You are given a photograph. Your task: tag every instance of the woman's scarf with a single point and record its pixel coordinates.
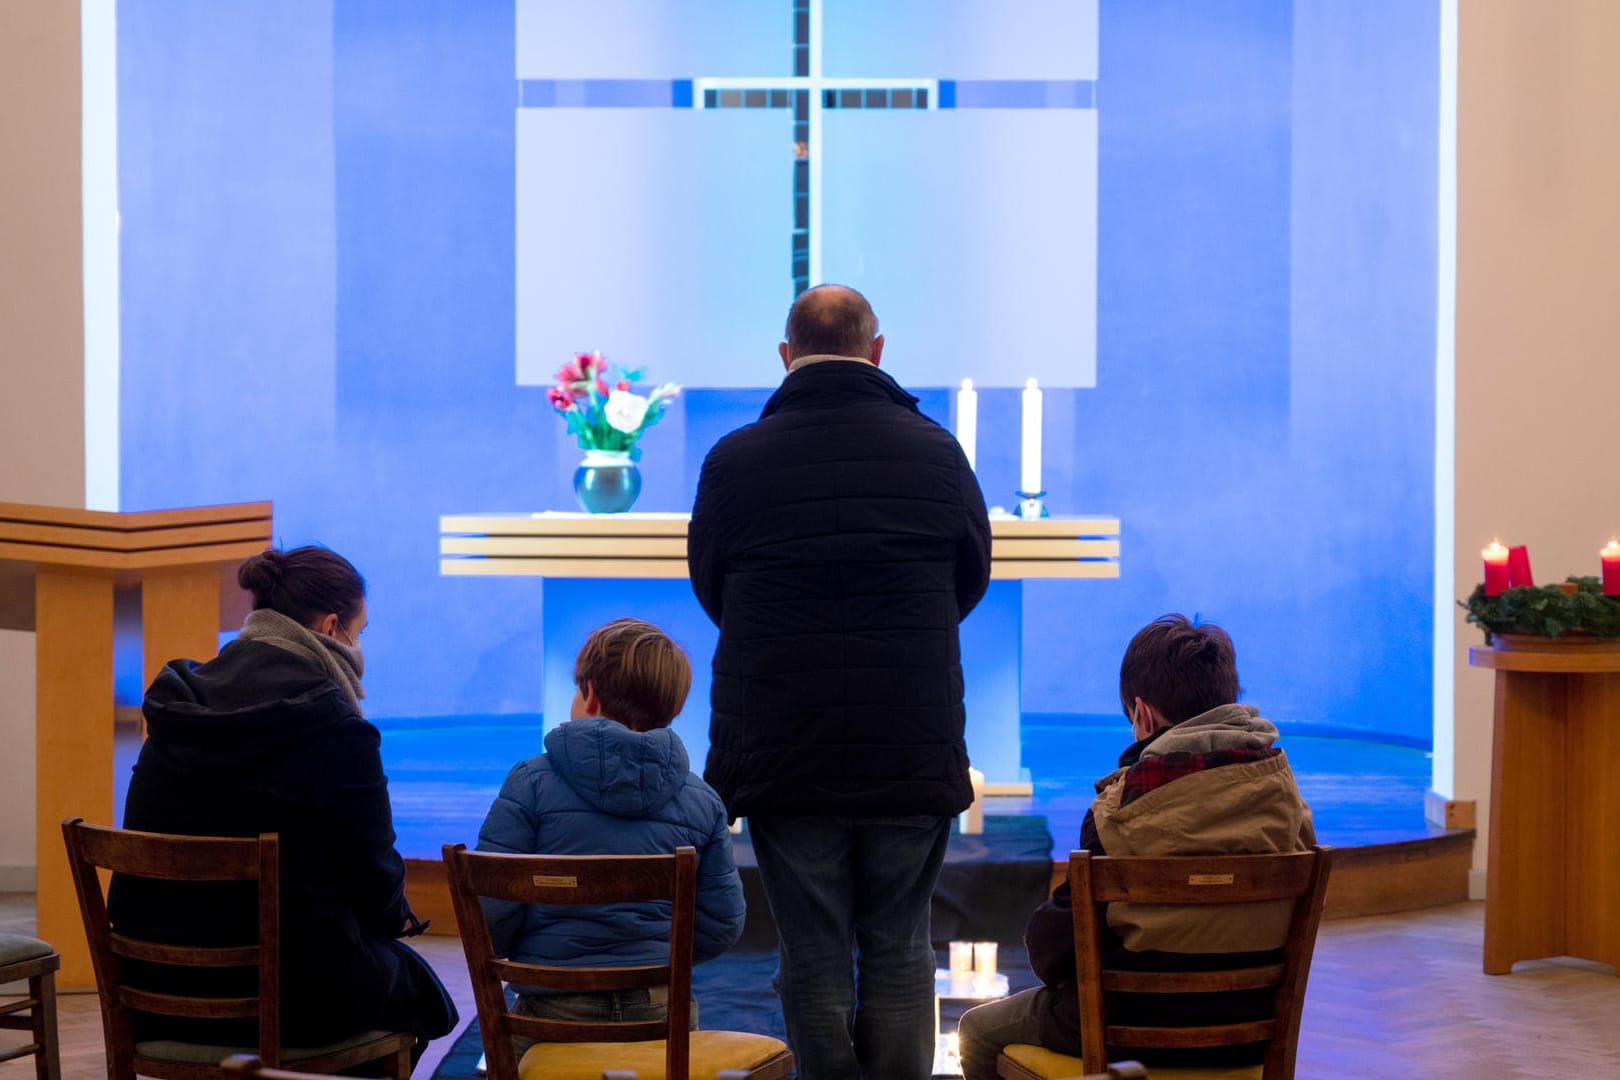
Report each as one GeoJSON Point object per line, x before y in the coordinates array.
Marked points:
{"type": "Point", "coordinates": [342, 663]}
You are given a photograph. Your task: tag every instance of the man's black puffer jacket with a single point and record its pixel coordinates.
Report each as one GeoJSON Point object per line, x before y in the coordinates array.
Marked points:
{"type": "Point", "coordinates": [837, 542]}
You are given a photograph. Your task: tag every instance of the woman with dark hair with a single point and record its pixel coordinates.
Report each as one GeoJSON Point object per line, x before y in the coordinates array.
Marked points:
{"type": "Point", "coordinates": [268, 737]}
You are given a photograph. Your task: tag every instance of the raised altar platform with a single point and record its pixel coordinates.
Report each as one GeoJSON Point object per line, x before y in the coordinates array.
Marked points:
{"type": "Point", "coordinates": [1366, 797]}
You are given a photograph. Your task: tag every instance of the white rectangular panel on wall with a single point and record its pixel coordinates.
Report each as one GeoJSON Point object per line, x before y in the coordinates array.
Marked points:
{"type": "Point", "coordinates": [974, 231]}
{"type": "Point", "coordinates": [653, 234]}
{"type": "Point", "coordinates": [653, 39]}
{"type": "Point", "coordinates": [961, 39]}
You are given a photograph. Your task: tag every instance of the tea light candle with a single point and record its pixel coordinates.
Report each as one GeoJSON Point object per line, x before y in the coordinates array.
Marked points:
{"type": "Point", "coordinates": [1029, 477]}
{"type": "Point", "coordinates": [1610, 554]}
{"type": "Point", "coordinates": [967, 421]}
{"type": "Point", "coordinates": [984, 959]}
{"type": "Point", "coordinates": [1496, 568]}
{"type": "Point", "coordinates": [961, 959]}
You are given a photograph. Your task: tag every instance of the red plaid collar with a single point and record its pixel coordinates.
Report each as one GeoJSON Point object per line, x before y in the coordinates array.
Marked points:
{"type": "Point", "coordinates": [1158, 770]}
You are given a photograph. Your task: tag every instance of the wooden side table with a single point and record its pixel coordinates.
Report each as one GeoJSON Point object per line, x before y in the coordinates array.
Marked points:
{"type": "Point", "coordinates": [1553, 880]}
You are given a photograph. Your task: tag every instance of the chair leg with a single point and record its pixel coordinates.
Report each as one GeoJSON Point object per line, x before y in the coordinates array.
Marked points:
{"type": "Point", "coordinates": [48, 1061]}
{"type": "Point", "coordinates": [400, 1066]}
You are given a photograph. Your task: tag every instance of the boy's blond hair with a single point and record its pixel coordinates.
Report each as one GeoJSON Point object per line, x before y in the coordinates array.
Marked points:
{"type": "Point", "coordinates": [640, 675]}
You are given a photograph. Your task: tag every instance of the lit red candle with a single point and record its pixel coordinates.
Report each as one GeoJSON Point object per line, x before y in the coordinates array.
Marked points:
{"type": "Point", "coordinates": [1610, 554]}
{"type": "Point", "coordinates": [1496, 568]}
{"type": "Point", "coordinates": [1519, 566]}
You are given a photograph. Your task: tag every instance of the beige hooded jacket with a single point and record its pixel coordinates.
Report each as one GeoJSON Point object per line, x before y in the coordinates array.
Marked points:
{"type": "Point", "coordinates": [1251, 808]}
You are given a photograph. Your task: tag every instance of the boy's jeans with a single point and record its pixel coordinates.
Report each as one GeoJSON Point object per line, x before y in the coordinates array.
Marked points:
{"type": "Point", "coordinates": [842, 885]}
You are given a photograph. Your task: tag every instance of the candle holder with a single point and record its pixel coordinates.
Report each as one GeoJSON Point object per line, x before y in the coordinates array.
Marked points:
{"type": "Point", "coordinates": [1030, 505]}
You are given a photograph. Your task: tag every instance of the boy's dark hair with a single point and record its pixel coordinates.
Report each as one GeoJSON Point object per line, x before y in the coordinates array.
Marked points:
{"type": "Point", "coordinates": [638, 672]}
{"type": "Point", "coordinates": [1179, 668]}
{"type": "Point", "coordinates": [304, 584]}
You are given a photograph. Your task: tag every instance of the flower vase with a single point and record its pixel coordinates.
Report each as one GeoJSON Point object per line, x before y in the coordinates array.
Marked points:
{"type": "Point", "coordinates": [607, 482]}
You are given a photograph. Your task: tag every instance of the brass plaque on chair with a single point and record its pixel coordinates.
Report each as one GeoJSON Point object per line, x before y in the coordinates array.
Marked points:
{"type": "Point", "coordinates": [1209, 879]}
{"type": "Point", "coordinates": [556, 881]}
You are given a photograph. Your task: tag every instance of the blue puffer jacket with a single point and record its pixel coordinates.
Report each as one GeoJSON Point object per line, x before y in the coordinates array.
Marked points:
{"type": "Point", "coordinates": [602, 789]}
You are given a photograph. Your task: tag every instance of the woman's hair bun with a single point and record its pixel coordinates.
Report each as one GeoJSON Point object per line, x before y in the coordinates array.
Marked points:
{"type": "Point", "coordinates": [262, 572]}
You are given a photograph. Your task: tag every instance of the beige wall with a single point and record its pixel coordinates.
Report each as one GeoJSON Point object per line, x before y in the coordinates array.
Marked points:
{"type": "Point", "coordinates": [1538, 308]}
{"type": "Point", "coordinates": [41, 343]}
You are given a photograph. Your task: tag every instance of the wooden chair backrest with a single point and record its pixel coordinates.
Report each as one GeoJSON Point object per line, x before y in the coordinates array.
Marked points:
{"type": "Point", "coordinates": [1216, 879]}
{"type": "Point", "coordinates": [575, 879]}
{"type": "Point", "coordinates": [177, 858]}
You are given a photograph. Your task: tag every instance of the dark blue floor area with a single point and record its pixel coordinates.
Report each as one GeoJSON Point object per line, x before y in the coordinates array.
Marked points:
{"type": "Point", "coordinates": [444, 772]}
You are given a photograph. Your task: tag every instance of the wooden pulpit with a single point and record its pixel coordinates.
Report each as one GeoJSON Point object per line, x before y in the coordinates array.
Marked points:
{"type": "Point", "coordinates": [1552, 886]}
{"type": "Point", "coordinates": [59, 571]}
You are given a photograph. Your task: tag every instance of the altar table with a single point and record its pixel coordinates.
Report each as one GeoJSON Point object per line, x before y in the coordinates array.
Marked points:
{"type": "Point", "coordinates": [579, 554]}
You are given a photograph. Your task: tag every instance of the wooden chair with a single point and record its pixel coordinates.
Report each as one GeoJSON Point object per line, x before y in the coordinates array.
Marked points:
{"type": "Point", "coordinates": [1225, 879]}
{"type": "Point", "coordinates": [25, 958]}
{"type": "Point", "coordinates": [569, 1050]}
{"type": "Point", "coordinates": [196, 858]}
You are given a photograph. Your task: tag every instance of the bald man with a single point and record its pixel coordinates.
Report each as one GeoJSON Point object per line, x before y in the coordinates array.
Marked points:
{"type": "Point", "coordinates": [837, 542]}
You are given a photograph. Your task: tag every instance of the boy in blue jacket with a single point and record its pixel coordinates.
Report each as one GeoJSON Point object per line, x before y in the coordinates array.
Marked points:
{"type": "Point", "coordinates": [614, 780]}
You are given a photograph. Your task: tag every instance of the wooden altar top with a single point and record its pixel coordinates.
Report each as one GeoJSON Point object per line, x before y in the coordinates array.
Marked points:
{"type": "Point", "coordinates": [561, 544]}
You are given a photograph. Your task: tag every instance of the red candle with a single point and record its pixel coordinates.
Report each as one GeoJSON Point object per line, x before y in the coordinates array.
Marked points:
{"type": "Point", "coordinates": [1610, 554]}
{"type": "Point", "coordinates": [1496, 568]}
{"type": "Point", "coordinates": [1519, 566]}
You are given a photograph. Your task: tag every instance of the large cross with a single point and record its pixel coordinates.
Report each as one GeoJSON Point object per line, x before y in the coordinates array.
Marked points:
{"type": "Point", "coordinates": [809, 94]}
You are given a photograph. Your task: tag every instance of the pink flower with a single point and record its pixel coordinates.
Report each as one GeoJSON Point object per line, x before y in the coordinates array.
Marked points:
{"type": "Point", "coordinates": [601, 388]}
{"type": "Point", "coordinates": [622, 384]}
{"type": "Point", "coordinates": [583, 367]}
{"type": "Point", "coordinates": [559, 398]}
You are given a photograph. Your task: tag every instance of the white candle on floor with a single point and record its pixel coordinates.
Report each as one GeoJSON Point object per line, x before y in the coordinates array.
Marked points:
{"type": "Point", "coordinates": [967, 421]}
{"type": "Point", "coordinates": [1030, 475]}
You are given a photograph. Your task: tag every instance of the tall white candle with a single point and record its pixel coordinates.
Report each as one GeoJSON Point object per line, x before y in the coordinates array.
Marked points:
{"type": "Point", "coordinates": [967, 421]}
{"type": "Point", "coordinates": [1030, 475]}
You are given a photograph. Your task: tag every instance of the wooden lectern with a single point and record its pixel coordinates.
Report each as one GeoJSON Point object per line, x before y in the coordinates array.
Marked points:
{"type": "Point", "coordinates": [59, 570]}
{"type": "Point", "coordinates": [1552, 886]}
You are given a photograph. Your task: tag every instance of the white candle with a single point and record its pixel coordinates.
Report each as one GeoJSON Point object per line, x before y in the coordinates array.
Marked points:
{"type": "Point", "coordinates": [1030, 476]}
{"type": "Point", "coordinates": [984, 960]}
{"type": "Point", "coordinates": [967, 421]}
{"type": "Point", "coordinates": [972, 820]}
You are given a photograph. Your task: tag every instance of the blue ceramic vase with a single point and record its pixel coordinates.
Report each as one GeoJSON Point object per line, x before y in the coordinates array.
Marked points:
{"type": "Point", "coordinates": [607, 482]}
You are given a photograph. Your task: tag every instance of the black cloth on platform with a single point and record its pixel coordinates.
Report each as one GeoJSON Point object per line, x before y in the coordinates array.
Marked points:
{"type": "Point", "coordinates": [837, 542]}
{"type": "Point", "coordinates": [260, 740]}
{"type": "Point", "coordinates": [988, 882]}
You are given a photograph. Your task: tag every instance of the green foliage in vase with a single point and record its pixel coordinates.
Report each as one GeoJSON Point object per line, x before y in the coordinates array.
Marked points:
{"type": "Point", "coordinates": [1545, 610]}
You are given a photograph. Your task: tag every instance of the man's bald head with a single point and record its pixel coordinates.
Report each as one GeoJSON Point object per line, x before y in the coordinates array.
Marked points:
{"type": "Point", "coordinates": [832, 320]}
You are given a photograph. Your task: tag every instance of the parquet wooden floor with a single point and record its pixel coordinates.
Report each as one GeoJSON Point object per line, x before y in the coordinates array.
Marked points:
{"type": "Point", "coordinates": [1394, 996]}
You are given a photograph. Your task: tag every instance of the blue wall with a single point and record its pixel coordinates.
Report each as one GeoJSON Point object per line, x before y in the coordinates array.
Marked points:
{"type": "Point", "coordinates": [318, 251]}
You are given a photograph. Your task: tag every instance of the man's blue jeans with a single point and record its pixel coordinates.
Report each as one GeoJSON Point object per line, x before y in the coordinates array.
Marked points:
{"type": "Point", "coordinates": [854, 886]}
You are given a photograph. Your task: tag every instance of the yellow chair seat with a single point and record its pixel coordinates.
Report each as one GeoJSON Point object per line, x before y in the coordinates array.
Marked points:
{"type": "Point", "coordinates": [1049, 1063]}
{"type": "Point", "coordinates": [712, 1052]}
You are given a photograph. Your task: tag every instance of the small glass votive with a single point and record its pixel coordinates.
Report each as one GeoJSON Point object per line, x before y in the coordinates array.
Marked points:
{"type": "Point", "coordinates": [961, 959]}
{"type": "Point", "coordinates": [984, 959]}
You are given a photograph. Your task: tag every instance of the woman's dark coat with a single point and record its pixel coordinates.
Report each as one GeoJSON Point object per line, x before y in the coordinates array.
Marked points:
{"type": "Point", "coordinates": [260, 740]}
{"type": "Point", "coordinates": [837, 542]}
